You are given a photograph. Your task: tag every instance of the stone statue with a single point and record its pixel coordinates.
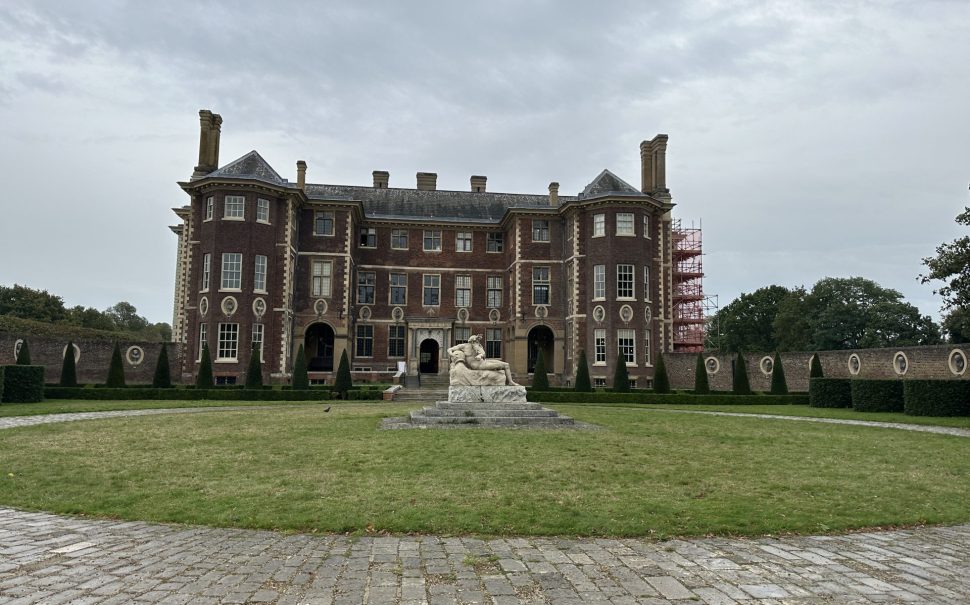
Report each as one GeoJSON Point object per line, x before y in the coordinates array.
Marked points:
{"type": "Point", "coordinates": [470, 368]}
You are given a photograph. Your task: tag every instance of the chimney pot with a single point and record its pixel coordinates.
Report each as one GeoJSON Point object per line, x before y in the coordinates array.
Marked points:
{"type": "Point", "coordinates": [381, 179]}
{"type": "Point", "coordinates": [301, 174]}
{"type": "Point", "coordinates": [554, 193]}
{"type": "Point", "coordinates": [427, 181]}
{"type": "Point", "coordinates": [478, 183]}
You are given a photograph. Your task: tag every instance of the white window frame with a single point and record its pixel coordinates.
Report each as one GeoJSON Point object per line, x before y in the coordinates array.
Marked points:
{"type": "Point", "coordinates": [259, 331]}
{"type": "Point", "coordinates": [365, 235]}
{"type": "Point", "coordinates": [646, 283]}
{"type": "Point", "coordinates": [370, 288]}
{"type": "Point", "coordinates": [433, 285]}
{"type": "Point", "coordinates": [231, 266]}
{"type": "Point", "coordinates": [363, 335]}
{"type": "Point", "coordinates": [628, 220]}
{"type": "Point", "coordinates": [463, 241]}
{"type": "Point", "coordinates": [493, 291]}
{"type": "Point", "coordinates": [462, 334]}
{"type": "Point", "coordinates": [262, 210]}
{"type": "Point", "coordinates": [321, 278]}
{"type": "Point", "coordinates": [322, 216]}
{"type": "Point", "coordinates": [497, 240]}
{"type": "Point", "coordinates": [599, 225]}
{"type": "Point", "coordinates": [537, 283]}
{"type": "Point", "coordinates": [626, 342]}
{"type": "Point", "coordinates": [646, 226]}
{"type": "Point", "coordinates": [599, 282]}
{"type": "Point", "coordinates": [599, 382]}
{"type": "Point", "coordinates": [234, 208]}
{"type": "Point", "coordinates": [397, 233]}
{"type": "Point", "coordinates": [401, 339]}
{"type": "Point", "coordinates": [463, 290]}
{"type": "Point", "coordinates": [228, 343]}
{"type": "Point", "coordinates": [206, 271]}
{"type": "Point", "coordinates": [599, 347]}
{"type": "Point", "coordinates": [260, 275]}
{"type": "Point", "coordinates": [203, 339]}
{"type": "Point", "coordinates": [434, 236]}
{"type": "Point", "coordinates": [493, 345]}
{"type": "Point", "coordinates": [210, 204]}
{"type": "Point", "coordinates": [540, 226]}
{"type": "Point", "coordinates": [647, 357]}
{"type": "Point", "coordinates": [626, 286]}
{"type": "Point", "coordinates": [392, 286]}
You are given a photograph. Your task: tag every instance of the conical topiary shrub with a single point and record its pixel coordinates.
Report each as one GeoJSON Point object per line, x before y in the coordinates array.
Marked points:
{"type": "Point", "coordinates": [116, 371]}
{"type": "Point", "coordinates": [582, 374]}
{"type": "Point", "coordinates": [661, 382]}
{"type": "Point", "coordinates": [815, 370]}
{"type": "Point", "coordinates": [301, 380]}
{"type": "Point", "coordinates": [69, 367]}
{"type": "Point", "coordinates": [702, 385]}
{"type": "Point", "coordinates": [540, 379]}
{"type": "Point", "coordinates": [163, 373]}
{"type": "Point", "coordinates": [344, 380]}
{"type": "Point", "coordinates": [741, 384]}
{"type": "Point", "coordinates": [203, 379]}
{"type": "Point", "coordinates": [778, 384]}
{"type": "Point", "coordinates": [23, 355]}
{"type": "Point", "coordinates": [254, 375]}
{"type": "Point", "coordinates": [621, 378]}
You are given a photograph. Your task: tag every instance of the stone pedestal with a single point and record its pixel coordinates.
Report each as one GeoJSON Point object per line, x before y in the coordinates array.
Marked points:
{"type": "Point", "coordinates": [500, 394]}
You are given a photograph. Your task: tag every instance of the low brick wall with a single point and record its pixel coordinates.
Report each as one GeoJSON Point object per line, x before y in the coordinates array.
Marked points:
{"type": "Point", "coordinates": [927, 362]}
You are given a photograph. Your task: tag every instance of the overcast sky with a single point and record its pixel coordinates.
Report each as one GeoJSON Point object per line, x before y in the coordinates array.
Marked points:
{"type": "Point", "coordinates": [812, 139]}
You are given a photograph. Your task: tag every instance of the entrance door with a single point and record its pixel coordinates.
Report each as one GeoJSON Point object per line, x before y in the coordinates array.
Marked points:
{"type": "Point", "coordinates": [541, 339]}
{"type": "Point", "coordinates": [429, 350]}
{"type": "Point", "coordinates": [318, 347]}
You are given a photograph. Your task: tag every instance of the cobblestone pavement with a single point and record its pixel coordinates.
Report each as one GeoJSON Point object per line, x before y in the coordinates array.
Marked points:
{"type": "Point", "coordinates": [48, 559]}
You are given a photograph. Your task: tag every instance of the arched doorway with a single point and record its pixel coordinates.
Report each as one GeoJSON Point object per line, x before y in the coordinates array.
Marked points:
{"type": "Point", "coordinates": [318, 347]}
{"type": "Point", "coordinates": [541, 339]}
{"type": "Point", "coordinates": [428, 356]}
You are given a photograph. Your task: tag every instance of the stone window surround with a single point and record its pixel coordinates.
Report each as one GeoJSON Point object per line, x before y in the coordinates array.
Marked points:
{"type": "Point", "coordinates": [226, 345]}
{"type": "Point", "coordinates": [367, 286]}
{"type": "Point", "coordinates": [259, 332]}
{"type": "Point", "coordinates": [599, 341]}
{"type": "Point", "coordinates": [599, 225]}
{"type": "Point", "coordinates": [325, 277]}
{"type": "Point", "coordinates": [367, 237]}
{"type": "Point", "coordinates": [223, 272]}
{"type": "Point", "coordinates": [495, 240]}
{"type": "Point", "coordinates": [540, 228]}
{"type": "Point", "coordinates": [461, 238]}
{"type": "Point", "coordinates": [426, 288]}
{"type": "Point", "coordinates": [399, 233]}
{"type": "Point", "coordinates": [259, 207]}
{"type": "Point", "coordinates": [361, 337]}
{"type": "Point", "coordinates": [633, 224]}
{"type": "Point", "coordinates": [459, 288]}
{"type": "Point", "coordinates": [237, 201]}
{"type": "Point", "coordinates": [396, 335]}
{"type": "Point", "coordinates": [632, 281]}
{"type": "Point", "coordinates": [631, 335]}
{"type": "Point", "coordinates": [210, 205]}
{"type": "Point", "coordinates": [951, 364]}
{"type": "Point", "coordinates": [257, 273]}
{"type": "Point", "coordinates": [599, 286]}
{"type": "Point", "coordinates": [434, 237]}
{"type": "Point", "coordinates": [392, 287]}
{"type": "Point", "coordinates": [322, 215]}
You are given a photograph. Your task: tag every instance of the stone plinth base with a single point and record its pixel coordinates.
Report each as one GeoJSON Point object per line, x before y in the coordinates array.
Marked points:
{"type": "Point", "coordinates": [500, 394]}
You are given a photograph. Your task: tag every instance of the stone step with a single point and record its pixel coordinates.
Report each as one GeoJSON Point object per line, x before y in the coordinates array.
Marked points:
{"type": "Point", "coordinates": [455, 405]}
{"type": "Point", "coordinates": [490, 413]}
{"type": "Point", "coordinates": [545, 421]}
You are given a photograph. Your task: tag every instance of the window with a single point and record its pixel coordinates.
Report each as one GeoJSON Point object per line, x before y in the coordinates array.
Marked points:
{"type": "Point", "coordinates": [599, 383]}
{"type": "Point", "coordinates": [626, 344]}
{"type": "Point", "coordinates": [259, 278]}
{"type": "Point", "coordinates": [323, 223]}
{"type": "Point", "coordinates": [368, 237]}
{"type": "Point", "coordinates": [206, 268]}
{"type": "Point", "coordinates": [624, 223]}
{"type": "Point", "coordinates": [432, 290]}
{"type": "Point", "coordinates": [463, 241]}
{"type": "Point", "coordinates": [646, 225]}
{"type": "Point", "coordinates": [395, 341]}
{"type": "Point", "coordinates": [258, 339]}
{"type": "Point", "coordinates": [540, 285]}
{"type": "Point", "coordinates": [495, 242]}
{"type": "Point", "coordinates": [365, 287]}
{"type": "Point", "coordinates": [235, 207]}
{"type": "Point", "coordinates": [493, 343]}
{"type": "Point", "coordinates": [633, 383]}
{"type": "Point", "coordinates": [646, 348]}
{"type": "Point", "coordinates": [493, 292]}
{"type": "Point", "coordinates": [599, 346]}
{"type": "Point", "coordinates": [210, 203]}
{"type": "Point", "coordinates": [320, 278]}
{"type": "Point", "coordinates": [231, 270]}
{"type": "Point", "coordinates": [540, 230]}
{"type": "Point", "coordinates": [262, 211]}
{"type": "Point", "coordinates": [365, 341]}
{"type": "Point", "coordinates": [228, 341]}
{"type": "Point", "coordinates": [599, 281]}
{"type": "Point", "coordinates": [399, 288]}
{"type": "Point", "coordinates": [599, 225]}
{"type": "Point", "coordinates": [463, 290]}
{"type": "Point", "coordinates": [432, 241]}
{"type": "Point", "coordinates": [624, 281]}
{"type": "Point", "coordinates": [399, 239]}
{"type": "Point", "coordinates": [646, 282]}
{"type": "Point", "coordinates": [462, 334]}
{"type": "Point", "coordinates": [203, 339]}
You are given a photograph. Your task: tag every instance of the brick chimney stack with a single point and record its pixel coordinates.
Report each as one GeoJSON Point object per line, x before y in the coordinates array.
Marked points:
{"type": "Point", "coordinates": [554, 193]}
{"type": "Point", "coordinates": [653, 165]}
{"type": "Point", "coordinates": [210, 127]}
{"type": "Point", "coordinates": [301, 175]}
{"type": "Point", "coordinates": [478, 183]}
{"type": "Point", "coordinates": [427, 181]}
{"type": "Point", "coordinates": [381, 178]}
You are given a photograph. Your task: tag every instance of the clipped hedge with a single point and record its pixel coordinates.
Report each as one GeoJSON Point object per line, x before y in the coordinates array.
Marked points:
{"type": "Point", "coordinates": [23, 384]}
{"type": "Point", "coordinates": [830, 393]}
{"type": "Point", "coordinates": [936, 397]}
{"type": "Point", "coordinates": [1, 383]}
{"type": "Point", "coordinates": [648, 397]}
{"type": "Point", "coordinates": [877, 395]}
{"type": "Point", "coordinates": [214, 394]}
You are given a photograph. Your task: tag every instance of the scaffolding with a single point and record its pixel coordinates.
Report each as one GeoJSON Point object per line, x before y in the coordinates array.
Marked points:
{"type": "Point", "coordinates": [690, 306]}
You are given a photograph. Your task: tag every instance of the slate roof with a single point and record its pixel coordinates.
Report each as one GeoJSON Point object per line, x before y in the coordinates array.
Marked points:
{"type": "Point", "coordinates": [250, 166]}
{"type": "Point", "coordinates": [607, 183]}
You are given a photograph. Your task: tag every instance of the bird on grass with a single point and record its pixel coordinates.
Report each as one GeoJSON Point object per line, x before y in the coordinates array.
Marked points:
{"type": "Point", "coordinates": [327, 409]}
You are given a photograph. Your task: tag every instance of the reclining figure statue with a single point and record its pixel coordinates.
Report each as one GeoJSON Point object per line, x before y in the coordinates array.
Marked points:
{"type": "Point", "coordinates": [470, 368]}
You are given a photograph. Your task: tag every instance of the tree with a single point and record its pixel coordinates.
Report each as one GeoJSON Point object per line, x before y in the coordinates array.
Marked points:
{"type": "Point", "coordinates": [23, 355]}
{"type": "Point", "coordinates": [956, 325]}
{"type": "Point", "coordinates": [582, 374]}
{"type": "Point", "coordinates": [26, 303]}
{"type": "Point", "coordinates": [254, 375]}
{"type": "Point", "coordinates": [792, 329]}
{"type": "Point", "coordinates": [301, 380]}
{"type": "Point", "coordinates": [203, 379]}
{"type": "Point", "coordinates": [778, 384]}
{"type": "Point", "coordinates": [740, 383]}
{"type": "Point", "coordinates": [815, 367]}
{"type": "Point", "coordinates": [702, 384]}
{"type": "Point", "coordinates": [163, 373]}
{"type": "Point", "coordinates": [540, 379]}
{"type": "Point", "coordinates": [126, 317]}
{"type": "Point", "coordinates": [69, 367]}
{"type": "Point", "coordinates": [661, 383]}
{"type": "Point", "coordinates": [344, 380]}
{"type": "Point", "coordinates": [89, 318]}
{"type": "Point", "coordinates": [621, 378]}
{"type": "Point", "coordinates": [952, 266]}
{"type": "Point", "coordinates": [116, 371]}
{"type": "Point", "coordinates": [747, 322]}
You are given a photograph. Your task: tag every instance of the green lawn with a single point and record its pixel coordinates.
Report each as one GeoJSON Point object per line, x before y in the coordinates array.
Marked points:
{"type": "Point", "coordinates": [844, 413]}
{"type": "Point", "coordinates": [644, 474]}
{"type": "Point", "coordinates": [59, 406]}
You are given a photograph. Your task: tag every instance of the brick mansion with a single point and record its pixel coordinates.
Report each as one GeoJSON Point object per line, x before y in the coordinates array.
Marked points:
{"type": "Point", "coordinates": [394, 276]}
